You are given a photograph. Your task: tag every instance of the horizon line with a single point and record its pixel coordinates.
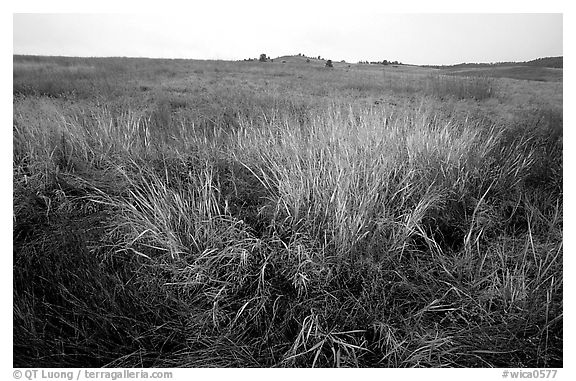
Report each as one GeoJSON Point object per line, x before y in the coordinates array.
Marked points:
{"type": "Point", "coordinates": [289, 55]}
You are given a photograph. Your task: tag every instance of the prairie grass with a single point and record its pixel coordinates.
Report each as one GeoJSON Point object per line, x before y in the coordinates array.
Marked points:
{"type": "Point", "coordinates": [428, 84]}
{"type": "Point", "coordinates": [235, 216]}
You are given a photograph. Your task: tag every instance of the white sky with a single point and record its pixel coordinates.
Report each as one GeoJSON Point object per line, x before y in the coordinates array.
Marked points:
{"type": "Point", "coordinates": [236, 31]}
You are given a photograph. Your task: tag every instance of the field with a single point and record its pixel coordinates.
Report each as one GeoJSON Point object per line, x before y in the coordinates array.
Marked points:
{"type": "Point", "coordinates": [180, 213]}
{"type": "Point", "coordinates": [531, 73]}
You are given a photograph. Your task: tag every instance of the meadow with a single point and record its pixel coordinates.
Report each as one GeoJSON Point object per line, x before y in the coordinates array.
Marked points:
{"type": "Point", "coordinates": [183, 213]}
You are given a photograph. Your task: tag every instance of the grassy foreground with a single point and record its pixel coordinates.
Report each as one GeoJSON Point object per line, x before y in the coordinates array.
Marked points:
{"type": "Point", "coordinates": [244, 214]}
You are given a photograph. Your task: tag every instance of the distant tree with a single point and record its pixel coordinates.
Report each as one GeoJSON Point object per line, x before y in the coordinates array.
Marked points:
{"type": "Point", "coordinates": [329, 63]}
{"type": "Point", "coordinates": [319, 57]}
{"type": "Point", "coordinates": [263, 57]}
{"type": "Point", "coordinates": [307, 60]}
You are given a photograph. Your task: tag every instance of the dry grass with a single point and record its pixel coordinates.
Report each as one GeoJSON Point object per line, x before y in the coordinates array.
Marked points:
{"type": "Point", "coordinates": [247, 214]}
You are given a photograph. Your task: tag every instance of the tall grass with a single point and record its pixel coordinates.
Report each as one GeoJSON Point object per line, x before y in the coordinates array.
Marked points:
{"type": "Point", "coordinates": [352, 177]}
{"type": "Point", "coordinates": [285, 234]}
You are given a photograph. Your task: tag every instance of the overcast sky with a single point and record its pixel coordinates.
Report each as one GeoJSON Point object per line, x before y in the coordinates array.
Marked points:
{"type": "Point", "coordinates": [350, 34]}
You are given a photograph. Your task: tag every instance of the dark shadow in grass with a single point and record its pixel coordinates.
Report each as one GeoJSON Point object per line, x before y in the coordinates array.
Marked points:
{"type": "Point", "coordinates": [248, 200]}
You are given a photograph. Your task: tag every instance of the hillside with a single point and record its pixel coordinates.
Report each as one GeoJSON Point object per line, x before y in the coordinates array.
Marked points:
{"type": "Point", "coordinates": [297, 59]}
{"type": "Point", "coordinates": [552, 62]}
{"type": "Point", "coordinates": [524, 72]}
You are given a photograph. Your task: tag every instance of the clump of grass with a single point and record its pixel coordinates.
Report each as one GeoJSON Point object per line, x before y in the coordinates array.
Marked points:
{"type": "Point", "coordinates": [351, 178]}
